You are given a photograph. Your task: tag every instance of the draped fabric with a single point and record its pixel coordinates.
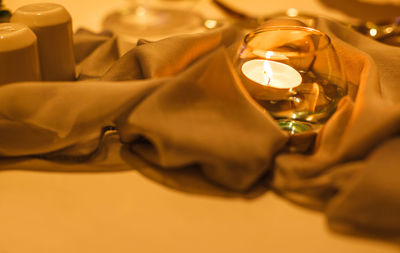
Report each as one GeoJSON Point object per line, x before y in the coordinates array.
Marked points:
{"type": "Point", "coordinates": [178, 102]}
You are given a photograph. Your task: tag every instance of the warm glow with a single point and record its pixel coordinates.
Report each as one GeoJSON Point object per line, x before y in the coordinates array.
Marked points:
{"type": "Point", "coordinates": [141, 11]}
{"type": "Point", "coordinates": [210, 23]}
{"type": "Point", "coordinates": [373, 32]}
{"type": "Point", "coordinates": [272, 74]}
{"type": "Point", "coordinates": [292, 12]}
{"type": "Point", "coordinates": [389, 29]}
{"type": "Point", "coordinates": [268, 73]}
{"type": "Point", "coordinates": [270, 55]}
{"type": "Point", "coordinates": [315, 91]}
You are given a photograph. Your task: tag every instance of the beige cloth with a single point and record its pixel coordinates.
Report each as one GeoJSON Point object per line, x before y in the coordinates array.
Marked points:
{"type": "Point", "coordinates": [358, 189]}
{"type": "Point", "coordinates": [200, 116]}
{"type": "Point", "coordinates": [189, 108]}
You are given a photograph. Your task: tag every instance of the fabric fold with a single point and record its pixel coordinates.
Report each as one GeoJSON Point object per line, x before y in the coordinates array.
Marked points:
{"type": "Point", "coordinates": [193, 109]}
{"type": "Point", "coordinates": [370, 201]}
{"type": "Point", "coordinates": [170, 56]}
{"type": "Point", "coordinates": [178, 102]}
{"type": "Point", "coordinates": [206, 117]}
{"type": "Point", "coordinates": [45, 117]}
{"type": "Point", "coordinates": [329, 175]}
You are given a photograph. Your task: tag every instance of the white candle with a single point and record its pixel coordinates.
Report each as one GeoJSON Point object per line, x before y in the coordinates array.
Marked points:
{"type": "Point", "coordinates": [272, 74]}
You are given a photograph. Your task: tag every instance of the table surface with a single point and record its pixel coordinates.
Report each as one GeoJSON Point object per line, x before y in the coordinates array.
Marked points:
{"type": "Point", "coordinates": [43, 209]}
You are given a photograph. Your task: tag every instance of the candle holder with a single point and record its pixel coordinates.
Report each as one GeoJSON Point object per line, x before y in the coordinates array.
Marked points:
{"type": "Point", "coordinates": [294, 73]}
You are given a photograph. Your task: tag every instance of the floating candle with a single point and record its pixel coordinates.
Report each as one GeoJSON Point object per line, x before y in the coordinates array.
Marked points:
{"type": "Point", "coordinates": [272, 74]}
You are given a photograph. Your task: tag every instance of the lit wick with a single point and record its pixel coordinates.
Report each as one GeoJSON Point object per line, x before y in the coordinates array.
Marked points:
{"type": "Point", "coordinates": [267, 77]}
{"type": "Point", "coordinates": [272, 74]}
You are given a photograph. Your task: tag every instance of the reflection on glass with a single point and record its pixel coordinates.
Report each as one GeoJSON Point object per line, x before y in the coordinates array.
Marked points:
{"type": "Point", "coordinates": [309, 81]}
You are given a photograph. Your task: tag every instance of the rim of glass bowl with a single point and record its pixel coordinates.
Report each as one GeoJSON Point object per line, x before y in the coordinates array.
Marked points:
{"type": "Point", "coordinates": [326, 44]}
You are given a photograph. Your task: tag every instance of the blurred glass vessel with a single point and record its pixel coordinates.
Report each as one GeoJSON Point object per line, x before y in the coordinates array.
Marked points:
{"type": "Point", "coordinates": [294, 73]}
{"type": "Point", "coordinates": [152, 19]}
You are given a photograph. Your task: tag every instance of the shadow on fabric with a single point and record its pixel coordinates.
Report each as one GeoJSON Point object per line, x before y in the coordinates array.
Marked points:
{"type": "Point", "coordinates": [189, 179]}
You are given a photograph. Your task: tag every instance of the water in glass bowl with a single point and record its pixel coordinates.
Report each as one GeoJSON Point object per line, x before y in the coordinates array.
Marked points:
{"type": "Point", "coordinates": [307, 106]}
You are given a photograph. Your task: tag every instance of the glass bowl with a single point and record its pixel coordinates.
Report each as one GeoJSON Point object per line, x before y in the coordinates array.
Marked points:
{"type": "Point", "coordinates": [294, 73]}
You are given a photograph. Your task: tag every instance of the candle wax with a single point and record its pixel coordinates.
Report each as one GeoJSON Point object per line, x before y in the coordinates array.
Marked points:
{"type": "Point", "coordinates": [272, 74]}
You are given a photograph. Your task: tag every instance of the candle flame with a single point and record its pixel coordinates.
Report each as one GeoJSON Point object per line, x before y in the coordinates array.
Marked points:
{"type": "Point", "coordinates": [268, 73]}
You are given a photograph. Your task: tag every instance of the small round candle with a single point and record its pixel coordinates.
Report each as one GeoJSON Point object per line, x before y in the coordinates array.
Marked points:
{"type": "Point", "coordinates": [272, 74]}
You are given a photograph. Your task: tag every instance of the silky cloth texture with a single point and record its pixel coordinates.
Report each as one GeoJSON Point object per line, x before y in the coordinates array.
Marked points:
{"type": "Point", "coordinates": [188, 104]}
{"type": "Point", "coordinates": [354, 173]}
{"type": "Point", "coordinates": [179, 102]}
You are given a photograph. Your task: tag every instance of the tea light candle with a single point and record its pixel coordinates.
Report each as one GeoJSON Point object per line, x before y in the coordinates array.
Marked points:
{"type": "Point", "coordinates": [272, 74]}
{"type": "Point", "coordinates": [270, 80]}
